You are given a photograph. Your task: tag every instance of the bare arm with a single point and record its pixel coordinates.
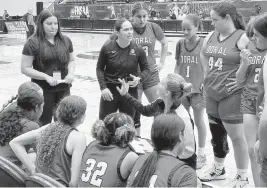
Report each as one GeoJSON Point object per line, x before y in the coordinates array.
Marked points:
{"type": "Point", "coordinates": [78, 144]}
{"type": "Point", "coordinates": [127, 164]}
{"type": "Point", "coordinates": [177, 67]}
{"type": "Point", "coordinates": [164, 50]}
{"type": "Point", "coordinates": [18, 146]}
{"type": "Point", "coordinates": [241, 73]}
{"type": "Point", "coordinates": [203, 58]}
{"type": "Point", "coordinates": [27, 69]}
{"type": "Point", "coordinates": [71, 66]}
{"type": "Point", "coordinates": [263, 119]}
{"type": "Point", "coordinates": [177, 55]}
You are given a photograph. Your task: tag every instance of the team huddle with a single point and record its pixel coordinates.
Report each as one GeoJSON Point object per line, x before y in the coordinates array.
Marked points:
{"type": "Point", "coordinates": [220, 76]}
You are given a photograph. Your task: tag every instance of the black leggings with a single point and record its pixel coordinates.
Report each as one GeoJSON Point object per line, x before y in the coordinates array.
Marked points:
{"type": "Point", "coordinates": [118, 103]}
{"type": "Point", "coordinates": [219, 138]}
{"type": "Point", "coordinates": [51, 100]}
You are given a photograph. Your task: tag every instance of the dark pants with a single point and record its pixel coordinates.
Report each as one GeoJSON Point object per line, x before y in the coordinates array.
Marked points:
{"type": "Point", "coordinates": [51, 100]}
{"type": "Point", "coordinates": [118, 103]}
{"type": "Point", "coordinates": [219, 138]}
{"type": "Point", "coordinates": [31, 31]}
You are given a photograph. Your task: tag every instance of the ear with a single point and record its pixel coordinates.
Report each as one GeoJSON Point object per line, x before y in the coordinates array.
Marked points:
{"type": "Point", "coordinates": [167, 93]}
{"type": "Point", "coordinates": [228, 17]}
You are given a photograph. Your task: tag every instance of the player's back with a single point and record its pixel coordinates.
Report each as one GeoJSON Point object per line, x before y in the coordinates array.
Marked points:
{"type": "Point", "coordinates": [170, 172]}
{"type": "Point", "coordinates": [101, 166]}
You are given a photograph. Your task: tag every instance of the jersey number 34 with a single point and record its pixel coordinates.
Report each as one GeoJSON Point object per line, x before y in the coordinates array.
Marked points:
{"type": "Point", "coordinates": [95, 177]}
{"type": "Point", "coordinates": [218, 64]}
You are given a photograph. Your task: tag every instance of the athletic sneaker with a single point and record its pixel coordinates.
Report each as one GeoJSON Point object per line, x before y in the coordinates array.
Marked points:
{"type": "Point", "coordinates": [237, 182]}
{"type": "Point", "coordinates": [201, 161]}
{"type": "Point", "coordinates": [214, 174]}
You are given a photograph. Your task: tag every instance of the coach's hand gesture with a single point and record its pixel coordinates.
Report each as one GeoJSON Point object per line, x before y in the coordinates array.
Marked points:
{"type": "Point", "coordinates": [106, 95]}
{"type": "Point", "coordinates": [135, 82]}
{"type": "Point", "coordinates": [124, 87]}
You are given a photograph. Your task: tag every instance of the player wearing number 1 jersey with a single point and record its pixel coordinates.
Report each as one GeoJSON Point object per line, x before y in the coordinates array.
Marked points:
{"type": "Point", "coordinates": [108, 161]}
{"type": "Point", "coordinates": [252, 59]}
{"type": "Point", "coordinates": [221, 52]}
{"type": "Point", "coordinates": [188, 65]}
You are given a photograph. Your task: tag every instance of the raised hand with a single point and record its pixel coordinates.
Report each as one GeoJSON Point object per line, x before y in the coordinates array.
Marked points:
{"type": "Point", "coordinates": [124, 87]}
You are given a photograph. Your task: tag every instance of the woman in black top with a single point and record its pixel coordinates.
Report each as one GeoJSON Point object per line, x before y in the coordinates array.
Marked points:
{"type": "Point", "coordinates": [171, 90]}
{"type": "Point", "coordinates": [119, 59]}
{"type": "Point", "coordinates": [47, 58]}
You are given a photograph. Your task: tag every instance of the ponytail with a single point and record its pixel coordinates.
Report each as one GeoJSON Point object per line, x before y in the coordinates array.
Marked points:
{"type": "Point", "coordinates": [101, 133]}
{"type": "Point", "coordinates": [147, 170]}
{"type": "Point", "coordinates": [10, 101]}
{"type": "Point", "coordinates": [239, 22]}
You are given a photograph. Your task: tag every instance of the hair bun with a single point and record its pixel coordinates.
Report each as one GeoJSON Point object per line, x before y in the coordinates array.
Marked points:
{"type": "Point", "coordinates": [187, 87]}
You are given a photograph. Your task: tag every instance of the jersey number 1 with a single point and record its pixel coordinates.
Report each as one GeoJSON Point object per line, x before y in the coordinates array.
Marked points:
{"type": "Point", "coordinates": [95, 180]}
{"type": "Point", "coordinates": [187, 71]}
{"type": "Point", "coordinates": [146, 49]}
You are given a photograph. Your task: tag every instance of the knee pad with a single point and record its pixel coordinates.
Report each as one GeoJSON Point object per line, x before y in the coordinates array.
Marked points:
{"type": "Point", "coordinates": [219, 138]}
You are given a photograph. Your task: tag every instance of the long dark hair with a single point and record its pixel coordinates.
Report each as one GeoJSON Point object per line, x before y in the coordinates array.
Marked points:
{"type": "Point", "coordinates": [61, 44]}
{"type": "Point", "coordinates": [165, 132]}
{"type": "Point", "coordinates": [28, 98]}
{"type": "Point", "coordinates": [224, 8]}
{"type": "Point", "coordinates": [69, 111]}
{"type": "Point", "coordinates": [260, 24]}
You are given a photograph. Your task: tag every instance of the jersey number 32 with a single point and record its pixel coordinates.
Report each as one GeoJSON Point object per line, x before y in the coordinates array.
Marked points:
{"type": "Point", "coordinates": [95, 177]}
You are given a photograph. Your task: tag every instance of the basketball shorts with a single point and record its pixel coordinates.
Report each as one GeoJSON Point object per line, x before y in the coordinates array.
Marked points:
{"type": "Point", "coordinates": [248, 105]}
{"type": "Point", "coordinates": [226, 109]}
{"type": "Point", "coordinates": [152, 81]}
{"type": "Point", "coordinates": [196, 100]}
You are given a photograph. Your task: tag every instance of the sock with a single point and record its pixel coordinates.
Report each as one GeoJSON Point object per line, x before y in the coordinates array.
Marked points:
{"type": "Point", "coordinates": [201, 151]}
{"type": "Point", "coordinates": [242, 173]}
{"type": "Point", "coordinates": [218, 165]}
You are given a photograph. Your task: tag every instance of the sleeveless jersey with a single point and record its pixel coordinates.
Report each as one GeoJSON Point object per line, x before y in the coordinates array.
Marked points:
{"type": "Point", "coordinates": [256, 60]}
{"type": "Point", "coordinates": [189, 63]}
{"type": "Point", "coordinates": [223, 60]}
{"type": "Point", "coordinates": [165, 168]}
{"type": "Point", "coordinates": [147, 40]}
{"type": "Point", "coordinates": [60, 166]}
{"type": "Point", "coordinates": [101, 166]}
{"type": "Point", "coordinates": [260, 97]}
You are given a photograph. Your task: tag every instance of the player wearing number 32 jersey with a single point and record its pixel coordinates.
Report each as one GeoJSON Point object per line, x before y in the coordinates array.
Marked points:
{"type": "Point", "coordinates": [108, 161]}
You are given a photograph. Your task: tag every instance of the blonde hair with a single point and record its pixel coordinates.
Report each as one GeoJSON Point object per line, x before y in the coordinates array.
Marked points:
{"type": "Point", "coordinates": [178, 87]}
